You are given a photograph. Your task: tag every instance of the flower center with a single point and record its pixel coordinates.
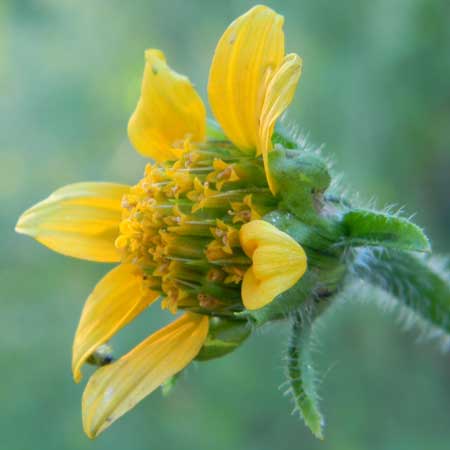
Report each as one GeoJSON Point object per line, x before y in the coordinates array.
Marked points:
{"type": "Point", "coordinates": [180, 225]}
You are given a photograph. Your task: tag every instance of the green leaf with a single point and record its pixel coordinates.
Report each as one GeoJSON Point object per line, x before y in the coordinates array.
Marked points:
{"type": "Point", "coordinates": [301, 375]}
{"type": "Point", "coordinates": [368, 228]}
{"type": "Point", "coordinates": [417, 283]}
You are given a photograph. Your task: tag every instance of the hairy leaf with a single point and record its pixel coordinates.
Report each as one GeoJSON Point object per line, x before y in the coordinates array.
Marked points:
{"type": "Point", "coordinates": [301, 375]}
{"type": "Point", "coordinates": [416, 282]}
{"type": "Point", "coordinates": [369, 228]}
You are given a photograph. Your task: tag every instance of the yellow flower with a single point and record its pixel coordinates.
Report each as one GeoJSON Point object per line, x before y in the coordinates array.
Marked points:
{"type": "Point", "coordinates": [189, 231]}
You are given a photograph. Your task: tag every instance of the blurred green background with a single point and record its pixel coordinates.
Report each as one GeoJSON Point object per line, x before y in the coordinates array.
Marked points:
{"type": "Point", "coordinates": [375, 90]}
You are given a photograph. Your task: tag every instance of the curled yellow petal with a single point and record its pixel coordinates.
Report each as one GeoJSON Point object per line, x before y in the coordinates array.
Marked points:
{"type": "Point", "coordinates": [79, 220]}
{"type": "Point", "coordinates": [247, 55]}
{"type": "Point", "coordinates": [115, 301]}
{"type": "Point", "coordinates": [115, 389]}
{"type": "Point", "coordinates": [169, 110]}
{"type": "Point", "coordinates": [278, 263]}
{"type": "Point", "coordinates": [280, 92]}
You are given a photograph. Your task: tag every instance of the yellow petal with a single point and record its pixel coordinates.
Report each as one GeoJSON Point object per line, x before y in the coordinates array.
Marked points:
{"type": "Point", "coordinates": [169, 110]}
{"type": "Point", "coordinates": [280, 92]}
{"type": "Point", "coordinates": [256, 293]}
{"type": "Point", "coordinates": [116, 300]}
{"type": "Point", "coordinates": [247, 55]}
{"type": "Point", "coordinates": [259, 232]}
{"type": "Point", "coordinates": [273, 260]}
{"type": "Point", "coordinates": [79, 220]}
{"type": "Point", "coordinates": [115, 389]}
{"type": "Point", "coordinates": [278, 263]}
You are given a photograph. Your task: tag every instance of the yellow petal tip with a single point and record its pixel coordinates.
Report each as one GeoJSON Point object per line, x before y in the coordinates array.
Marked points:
{"type": "Point", "coordinates": [21, 227]}
{"type": "Point", "coordinates": [153, 53]}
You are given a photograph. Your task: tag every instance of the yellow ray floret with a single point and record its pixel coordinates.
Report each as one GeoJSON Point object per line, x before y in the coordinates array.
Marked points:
{"type": "Point", "coordinates": [278, 263]}
{"type": "Point", "coordinates": [79, 220]}
{"type": "Point", "coordinates": [280, 92]}
{"type": "Point", "coordinates": [169, 111]}
{"type": "Point", "coordinates": [117, 299]}
{"type": "Point", "coordinates": [115, 389]}
{"type": "Point", "coordinates": [247, 54]}
{"type": "Point", "coordinates": [251, 81]}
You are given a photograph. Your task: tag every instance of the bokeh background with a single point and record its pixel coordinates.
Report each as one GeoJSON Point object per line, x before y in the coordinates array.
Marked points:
{"type": "Point", "coordinates": [375, 91]}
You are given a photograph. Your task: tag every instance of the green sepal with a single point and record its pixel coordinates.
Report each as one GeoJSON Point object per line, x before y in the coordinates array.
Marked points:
{"type": "Point", "coordinates": [415, 282]}
{"type": "Point", "coordinates": [300, 178]}
{"type": "Point", "coordinates": [301, 375]}
{"type": "Point", "coordinates": [362, 227]}
{"type": "Point", "coordinates": [224, 336]}
{"type": "Point", "coordinates": [321, 236]}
